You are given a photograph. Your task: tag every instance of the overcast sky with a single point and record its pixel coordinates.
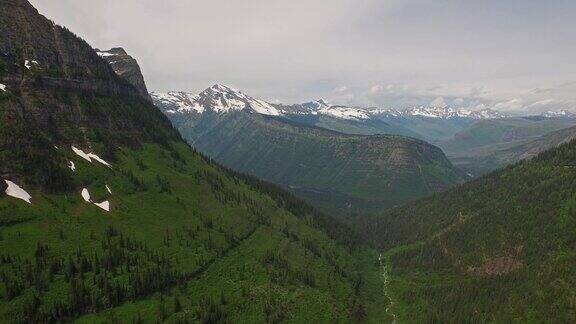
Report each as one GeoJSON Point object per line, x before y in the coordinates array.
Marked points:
{"type": "Point", "coordinates": [508, 54]}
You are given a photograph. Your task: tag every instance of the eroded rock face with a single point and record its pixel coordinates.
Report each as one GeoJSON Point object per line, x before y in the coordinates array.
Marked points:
{"type": "Point", "coordinates": [126, 67]}
{"type": "Point", "coordinates": [59, 92]}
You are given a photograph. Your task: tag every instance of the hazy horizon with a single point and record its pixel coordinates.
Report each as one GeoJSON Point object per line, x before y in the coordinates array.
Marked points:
{"type": "Point", "coordinates": [511, 56]}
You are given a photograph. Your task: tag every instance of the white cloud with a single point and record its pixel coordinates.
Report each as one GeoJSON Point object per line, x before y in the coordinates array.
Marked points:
{"type": "Point", "coordinates": [438, 102]}
{"type": "Point", "coordinates": [387, 53]}
{"type": "Point", "coordinates": [341, 89]}
{"type": "Point", "coordinates": [377, 88]}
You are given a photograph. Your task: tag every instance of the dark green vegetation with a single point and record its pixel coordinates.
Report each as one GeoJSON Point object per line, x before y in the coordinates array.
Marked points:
{"type": "Point", "coordinates": [180, 232]}
{"type": "Point", "coordinates": [338, 172]}
{"type": "Point", "coordinates": [489, 144]}
{"type": "Point", "coordinates": [501, 248]}
{"type": "Point", "coordinates": [184, 241]}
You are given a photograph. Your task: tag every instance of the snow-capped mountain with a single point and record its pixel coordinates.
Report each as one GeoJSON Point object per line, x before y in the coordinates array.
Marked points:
{"type": "Point", "coordinates": [321, 107]}
{"type": "Point", "coordinates": [559, 114]}
{"type": "Point", "coordinates": [222, 99]}
{"type": "Point", "coordinates": [448, 112]}
{"type": "Point", "coordinates": [218, 98]}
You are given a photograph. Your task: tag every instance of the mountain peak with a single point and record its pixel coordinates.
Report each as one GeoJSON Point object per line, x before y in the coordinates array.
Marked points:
{"type": "Point", "coordinates": [125, 67]}
{"type": "Point", "coordinates": [322, 102]}
{"type": "Point", "coordinates": [218, 98]}
{"type": "Point", "coordinates": [221, 88]}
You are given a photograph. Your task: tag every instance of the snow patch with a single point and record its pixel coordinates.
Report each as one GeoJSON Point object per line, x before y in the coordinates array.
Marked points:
{"type": "Point", "coordinates": [15, 191]}
{"type": "Point", "coordinates": [104, 205]}
{"type": "Point", "coordinates": [97, 158]}
{"type": "Point", "coordinates": [72, 166]}
{"type": "Point", "coordinates": [89, 156]}
{"type": "Point", "coordinates": [105, 54]}
{"type": "Point", "coordinates": [3, 87]}
{"type": "Point", "coordinates": [344, 112]}
{"type": "Point", "coordinates": [81, 154]}
{"type": "Point", "coordinates": [86, 195]}
{"type": "Point", "coordinates": [28, 63]}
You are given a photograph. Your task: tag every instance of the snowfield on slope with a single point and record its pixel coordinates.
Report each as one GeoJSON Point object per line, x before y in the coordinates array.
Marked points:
{"type": "Point", "coordinates": [28, 63]}
{"type": "Point", "coordinates": [89, 156]}
{"type": "Point", "coordinates": [85, 195]}
{"type": "Point", "coordinates": [16, 191]}
{"type": "Point", "coordinates": [104, 205]}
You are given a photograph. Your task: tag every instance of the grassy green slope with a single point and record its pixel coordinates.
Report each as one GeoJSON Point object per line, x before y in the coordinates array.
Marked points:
{"type": "Point", "coordinates": [500, 248]}
{"type": "Point", "coordinates": [178, 228]}
{"type": "Point", "coordinates": [184, 241]}
{"type": "Point", "coordinates": [333, 170]}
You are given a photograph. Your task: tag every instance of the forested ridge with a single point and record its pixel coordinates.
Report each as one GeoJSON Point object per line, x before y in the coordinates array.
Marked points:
{"type": "Point", "coordinates": [501, 248]}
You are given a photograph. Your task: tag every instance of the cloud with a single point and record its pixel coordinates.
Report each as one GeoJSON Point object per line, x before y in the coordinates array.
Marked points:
{"type": "Point", "coordinates": [510, 105]}
{"type": "Point", "coordinates": [438, 102]}
{"type": "Point", "coordinates": [387, 53]}
{"type": "Point", "coordinates": [377, 88]}
{"type": "Point", "coordinates": [341, 89]}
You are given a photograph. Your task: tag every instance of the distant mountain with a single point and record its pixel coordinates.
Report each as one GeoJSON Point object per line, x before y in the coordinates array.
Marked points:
{"type": "Point", "coordinates": [559, 114]}
{"type": "Point", "coordinates": [489, 132]}
{"type": "Point", "coordinates": [433, 124]}
{"type": "Point", "coordinates": [485, 159]}
{"type": "Point", "coordinates": [218, 99]}
{"type": "Point", "coordinates": [107, 215]}
{"type": "Point", "coordinates": [126, 67]}
{"type": "Point", "coordinates": [497, 249]}
{"type": "Point", "coordinates": [489, 144]}
{"type": "Point", "coordinates": [340, 172]}
{"type": "Point", "coordinates": [444, 113]}
{"type": "Point", "coordinates": [221, 98]}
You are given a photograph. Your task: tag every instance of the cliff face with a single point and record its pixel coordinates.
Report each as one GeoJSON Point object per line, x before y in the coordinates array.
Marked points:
{"type": "Point", "coordinates": [127, 68]}
{"type": "Point", "coordinates": [56, 92]}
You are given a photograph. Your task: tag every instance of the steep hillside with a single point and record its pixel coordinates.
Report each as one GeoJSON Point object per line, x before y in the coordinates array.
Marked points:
{"type": "Point", "coordinates": [108, 216]}
{"type": "Point", "coordinates": [335, 171]}
{"type": "Point", "coordinates": [498, 249]}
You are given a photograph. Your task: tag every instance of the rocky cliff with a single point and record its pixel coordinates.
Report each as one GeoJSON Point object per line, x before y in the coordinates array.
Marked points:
{"type": "Point", "coordinates": [126, 67]}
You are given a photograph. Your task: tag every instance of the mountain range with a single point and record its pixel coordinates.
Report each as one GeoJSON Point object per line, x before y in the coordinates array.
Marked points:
{"type": "Point", "coordinates": [187, 102]}
{"type": "Point", "coordinates": [341, 172]}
